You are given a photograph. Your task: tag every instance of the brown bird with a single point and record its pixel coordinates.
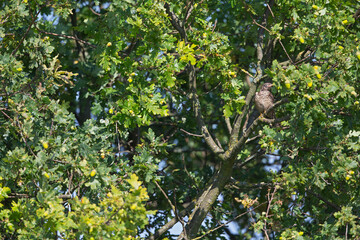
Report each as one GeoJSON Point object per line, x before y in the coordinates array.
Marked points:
{"type": "Point", "coordinates": [264, 100]}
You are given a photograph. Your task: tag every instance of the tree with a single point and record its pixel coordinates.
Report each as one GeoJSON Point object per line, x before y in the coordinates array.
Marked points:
{"type": "Point", "coordinates": [121, 118]}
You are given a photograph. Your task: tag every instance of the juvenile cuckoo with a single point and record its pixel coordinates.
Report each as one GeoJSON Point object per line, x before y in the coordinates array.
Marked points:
{"type": "Point", "coordinates": [264, 100]}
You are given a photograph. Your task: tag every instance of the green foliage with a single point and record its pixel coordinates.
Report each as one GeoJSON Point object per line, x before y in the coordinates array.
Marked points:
{"type": "Point", "coordinates": [103, 102]}
{"type": "Point", "coordinates": [47, 216]}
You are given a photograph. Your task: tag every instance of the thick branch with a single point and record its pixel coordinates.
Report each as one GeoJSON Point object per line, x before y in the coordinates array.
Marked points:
{"type": "Point", "coordinates": [236, 147]}
{"type": "Point", "coordinates": [175, 21]}
{"type": "Point", "coordinates": [222, 176]}
{"type": "Point", "coordinates": [324, 200]}
{"type": "Point", "coordinates": [228, 124]}
{"type": "Point", "coordinates": [197, 110]}
{"type": "Point", "coordinates": [192, 85]}
{"type": "Point", "coordinates": [237, 125]}
{"type": "Point", "coordinates": [259, 75]}
{"type": "Point", "coordinates": [172, 222]}
{"type": "Point", "coordinates": [208, 197]}
{"type": "Point", "coordinates": [275, 120]}
{"type": "Point", "coordinates": [224, 224]}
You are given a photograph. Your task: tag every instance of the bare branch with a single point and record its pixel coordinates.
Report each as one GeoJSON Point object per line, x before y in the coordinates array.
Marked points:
{"type": "Point", "coordinates": [192, 86]}
{"type": "Point", "coordinates": [189, 9]}
{"type": "Point", "coordinates": [93, 11]}
{"type": "Point", "coordinates": [275, 120]}
{"type": "Point", "coordinates": [272, 14]}
{"type": "Point", "coordinates": [214, 25]}
{"type": "Point", "coordinates": [237, 145]}
{"type": "Point", "coordinates": [237, 125]}
{"type": "Point", "coordinates": [165, 195]}
{"type": "Point", "coordinates": [173, 221]}
{"type": "Point", "coordinates": [68, 37]}
{"type": "Point", "coordinates": [198, 115]}
{"type": "Point", "coordinates": [261, 26]}
{"type": "Point", "coordinates": [191, 134]}
{"type": "Point", "coordinates": [175, 22]}
{"type": "Point", "coordinates": [249, 159]}
{"type": "Point", "coordinates": [224, 224]}
{"type": "Point", "coordinates": [270, 199]}
{"type": "Point", "coordinates": [228, 124]}
{"type": "Point", "coordinates": [282, 45]}
{"type": "Point", "coordinates": [259, 75]}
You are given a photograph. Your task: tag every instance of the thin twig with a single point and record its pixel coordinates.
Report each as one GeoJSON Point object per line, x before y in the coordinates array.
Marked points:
{"type": "Point", "coordinates": [261, 26]}
{"type": "Point", "coordinates": [93, 11]}
{"type": "Point", "coordinates": [27, 31]}
{"type": "Point", "coordinates": [324, 200]}
{"type": "Point", "coordinates": [187, 172]}
{"type": "Point", "coordinates": [270, 199]}
{"type": "Point", "coordinates": [247, 160]}
{"type": "Point", "coordinates": [247, 120]}
{"type": "Point", "coordinates": [220, 226]}
{"type": "Point", "coordinates": [172, 206]}
{"type": "Point", "coordinates": [70, 181]}
{"type": "Point", "coordinates": [51, 127]}
{"type": "Point", "coordinates": [272, 14]}
{"type": "Point", "coordinates": [68, 37]}
{"type": "Point", "coordinates": [178, 217]}
{"type": "Point", "coordinates": [191, 134]}
{"type": "Point", "coordinates": [253, 186]}
{"type": "Point", "coordinates": [275, 120]}
{"type": "Point", "coordinates": [173, 221]}
{"type": "Point", "coordinates": [167, 198]}
{"type": "Point", "coordinates": [219, 84]}
{"type": "Point", "coordinates": [5, 20]}
{"type": "Point", "coordinates": [282, 45]}
{"type": "Point", "coordinates": [214, 25]}
{"type": "Point", "coordinates": [247, 73]}
{"type": "Point", "coordinates": [117, 137]}
{"type": "Point", "coordinates": [252, 139]}
{"type": "Point", "coordinates": [189, 9]}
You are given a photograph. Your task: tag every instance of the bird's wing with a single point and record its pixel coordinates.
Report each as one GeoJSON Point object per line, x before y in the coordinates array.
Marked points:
{"type": "Point", "coordinates": [270, 96]}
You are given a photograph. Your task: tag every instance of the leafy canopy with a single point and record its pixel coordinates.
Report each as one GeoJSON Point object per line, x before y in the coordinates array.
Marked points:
{"type": "Point", "coordinates": [119, 119]}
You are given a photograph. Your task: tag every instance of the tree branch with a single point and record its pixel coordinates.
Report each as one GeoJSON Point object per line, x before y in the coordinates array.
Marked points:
{"type": "Point", "coordinates": [175, 21]}
{"type": "Point", "coordinates": [23, 195]}
{"type": "Point", "coordinates": [68, 37]}
{"type": "Point", "coordinates": [197, 110]}
{"type": "Point", "coordinates": [222, 176]}
{"type": "Point", "coordinates": [192, 86]}
{"type": "Point", "coordinates": [324, 200]}
{"type": "Point", "coordinates": [236, 147]}
{"type": "Point", "coordinates": [27, 31]}
{"type": "Point", "coordinates": [259, 74]}
{"type": "Point", "coordinates": [237, 125]}
{"type": "Point", "coordinates": [224, 224]}
{"type": "Point", "coordinates": [172, 222]}
{"type": "Point", "coordinates": [191, 134]}
{"type": "Point", "coordinates": [228, 124]}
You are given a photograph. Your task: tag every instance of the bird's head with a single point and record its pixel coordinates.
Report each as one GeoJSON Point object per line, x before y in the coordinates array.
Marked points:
{"type": "Point", "coordinates": [266, 87]}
